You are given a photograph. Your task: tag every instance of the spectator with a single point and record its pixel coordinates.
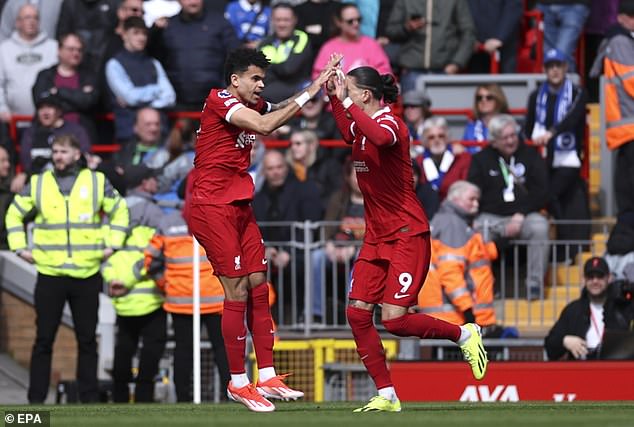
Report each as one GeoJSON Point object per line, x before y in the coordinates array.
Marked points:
{"type": "Point", "coordinates": [94, 21]}
{"type": "Point", "coordinates": [48, 123]}
{"type": "Point", "coordinates": [426, 195]}
{"type": "Point", "coordinates": [488, 102]}
{"type": "Point", "coordinates": [358, 50]}
{"type": "Point", "coordinates": [440, 167]}
{"type": "Point", "coordinates": [310, 163]}
{"type": "Point", "coordinates": [578, 332]}
{"type": "Point", "coordinates": [440, 43]}
{"type": "Point", "coordinates": [48, 12]}
{"type": "Point", "coordinates": [501, 37]}
{"type": "Point", "coordinates": [22, 57]}
{"type": "Point", "coordinates": [250, 20]}
{"type": "Point", "coordinates": [290, 54]}
{"type": "Point", "coordinates": [345, 205]}
{"type": "Point", "coordinates": [135, 297]}
{"type": "Point", "coordinates": [619, 106]}
{"type": "Point", "coordinates": [556, 119]}
{"type": "Point", "coordinates": [563, 24]}
{"type": "Point", "coordinates": [514, 183]}
{"type": "Point", "coordinates": [313, 116]}
{"type": "Point", "coordinates": [169, 259]}
{"type": "Point", "coordinates": [416, 109]}
{"type": "Point", "coordinates": [315, 18]}
{"type": "Point", "coordinates": [284, 198]}
{"type": "Point", "coordinates": [460, 289]}
{"type": "Point", "coordinates": [192, 47]}
{"type": "Point", "coordinates": [6, 194]}
{"type": "Point", "coordinates": [126, 9]}
{"type": "Point", "coordinates": [74, 85]}
{"type": "Point", "coordinates": [136, 80]}
{"type": "Point", "coordinates": [176, 160]}
{"type": "Point", "coordinates": [64, 275]}
{"type": "Point", "coordinates": [145, 143]}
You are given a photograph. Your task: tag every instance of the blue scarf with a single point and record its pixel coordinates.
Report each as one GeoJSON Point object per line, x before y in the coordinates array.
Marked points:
{"type": "Point", "coordinates": [565, 144]}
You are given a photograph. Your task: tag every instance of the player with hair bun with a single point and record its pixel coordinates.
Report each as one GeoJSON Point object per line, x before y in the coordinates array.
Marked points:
{"type": "Point", "coordinates": [395, 255]}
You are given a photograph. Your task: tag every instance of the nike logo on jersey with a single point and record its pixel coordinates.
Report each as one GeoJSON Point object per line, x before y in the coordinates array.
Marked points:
{"type": "Point", "coordinates": [242, 338]}
{"type": "Point", "coordinates": [400, 296]}
{"type": "Point", "coordinates": [265, 261]}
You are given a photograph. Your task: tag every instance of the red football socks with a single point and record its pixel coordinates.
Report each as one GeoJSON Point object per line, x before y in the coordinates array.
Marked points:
{"type": "Point", "coordinates": [234, 334]}
{"type": "Point", "coordinates": [369, 345]}
{"type": "Point", "coordinates": [422, 326]}
{"type": "Point", "coordinates": [260, 324]}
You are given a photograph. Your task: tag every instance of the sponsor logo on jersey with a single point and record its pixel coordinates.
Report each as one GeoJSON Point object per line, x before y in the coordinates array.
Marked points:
{"type": "Point", "coordinates": [245, 139]}
{"type": "Point", "coordinates": [228, 102]}
{"type": "Point", "coordinates": [360, 166]}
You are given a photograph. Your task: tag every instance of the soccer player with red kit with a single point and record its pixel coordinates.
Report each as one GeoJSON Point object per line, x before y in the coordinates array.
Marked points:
{"type": "Point", "coordinates": [395, 256]}
{"type": "Point", "coordinates": [221, 218]}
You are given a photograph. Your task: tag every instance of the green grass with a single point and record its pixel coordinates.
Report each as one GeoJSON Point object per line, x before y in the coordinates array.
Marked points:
{"type": "Point", "coordinates": [546, 414]}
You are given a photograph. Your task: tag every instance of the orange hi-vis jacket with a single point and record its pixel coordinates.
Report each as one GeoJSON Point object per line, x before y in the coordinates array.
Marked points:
{"type": "Point", "coordinates": [460, 275]}
{"type": "Point", "coordinates": [618, 68]}
{"type": "Point", "coordinates": [169, 259]}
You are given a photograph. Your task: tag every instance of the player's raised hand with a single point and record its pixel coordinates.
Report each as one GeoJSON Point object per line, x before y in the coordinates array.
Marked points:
{"type": "Point", "coordinates": [329, 69]}
{"type": "Point", "coordinates": [340, 84]}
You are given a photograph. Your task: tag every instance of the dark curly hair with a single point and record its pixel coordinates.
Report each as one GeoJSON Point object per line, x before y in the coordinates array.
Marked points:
{"type": "Point", "coordinates": [382, 86]}
{"type": "Point", "coordinates": [239, 60]}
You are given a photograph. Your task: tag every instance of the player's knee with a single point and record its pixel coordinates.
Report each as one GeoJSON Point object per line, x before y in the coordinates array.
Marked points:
{"type": "Point", "coordinates": [359, 318]}
{"type": "Point", "coordinates": [397, 326]}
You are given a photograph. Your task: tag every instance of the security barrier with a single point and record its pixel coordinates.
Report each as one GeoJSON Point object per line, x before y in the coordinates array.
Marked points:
{"type": "Point", "coordinates": [312, 290]}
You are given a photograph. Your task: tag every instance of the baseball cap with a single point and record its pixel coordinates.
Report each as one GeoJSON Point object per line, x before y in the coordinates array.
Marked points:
{"type": "Point", "coordinates": [596, 265]}
{"type": "Point", "coordinates": [135, 174]}
{"type": "Point", "coordinates": [416, 98]}
{"type": "Point", "coordinates": [553, 55]}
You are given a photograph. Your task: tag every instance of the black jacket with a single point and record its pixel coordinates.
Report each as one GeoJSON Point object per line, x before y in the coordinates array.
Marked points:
{"type": "Point", "coordinates": [294, 201]}
{"type": "Point", "coordinates": [531, 192]}
{"type": "Point", "coordinates": [94, 21]}
{"type": "Point", "coordinates": [192, 50]}
{"type": "Point", "coordinates": [81, 100]}
{"type": "Point", "coordinates": [575, 320]}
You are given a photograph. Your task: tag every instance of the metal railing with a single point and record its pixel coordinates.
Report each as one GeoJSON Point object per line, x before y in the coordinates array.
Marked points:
{"type": "Point", "coordinates": [311, 290]}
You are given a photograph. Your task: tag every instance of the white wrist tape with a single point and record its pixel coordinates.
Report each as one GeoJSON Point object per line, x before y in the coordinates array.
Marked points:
{"type": "Point", "coordinates": [347, 103]}
{"type": "Point", "coordinates": [302, 99]}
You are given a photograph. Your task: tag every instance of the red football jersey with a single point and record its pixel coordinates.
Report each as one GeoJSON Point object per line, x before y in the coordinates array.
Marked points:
{"type": "Point", "coordinates": [384, 172]}
{"type": "Point", "coordinates": [223, 152]}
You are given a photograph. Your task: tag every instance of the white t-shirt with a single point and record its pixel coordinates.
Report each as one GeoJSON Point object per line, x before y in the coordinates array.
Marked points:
{"type": "Point", "coordinates": [595, 331]}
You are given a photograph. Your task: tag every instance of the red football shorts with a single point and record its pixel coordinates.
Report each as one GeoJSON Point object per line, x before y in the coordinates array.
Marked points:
{"type": "Point", "coordinates": [231, 238]}
{"type": "Point", "coordinates": [391, 272]}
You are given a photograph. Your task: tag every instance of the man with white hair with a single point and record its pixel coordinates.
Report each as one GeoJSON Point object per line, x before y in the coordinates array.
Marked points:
{"type": "Point", "coordinates": [514, 183]}
{"type": "Point", "coordinates": [22, 57]}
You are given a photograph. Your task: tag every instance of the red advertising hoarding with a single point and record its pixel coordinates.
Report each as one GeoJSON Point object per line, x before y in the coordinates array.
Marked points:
{"type": "Point", "coordinates": [514, 381]}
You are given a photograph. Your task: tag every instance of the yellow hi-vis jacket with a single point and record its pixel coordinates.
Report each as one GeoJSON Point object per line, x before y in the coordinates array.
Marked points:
{"type": "Point", "coordinates": [127, 265]}
{"type": "Point", "coordinates": [69, 235]}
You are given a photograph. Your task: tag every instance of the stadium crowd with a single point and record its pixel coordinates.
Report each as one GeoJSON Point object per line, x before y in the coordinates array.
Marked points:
{"type": "Point", "coordinates": [125, 81]}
